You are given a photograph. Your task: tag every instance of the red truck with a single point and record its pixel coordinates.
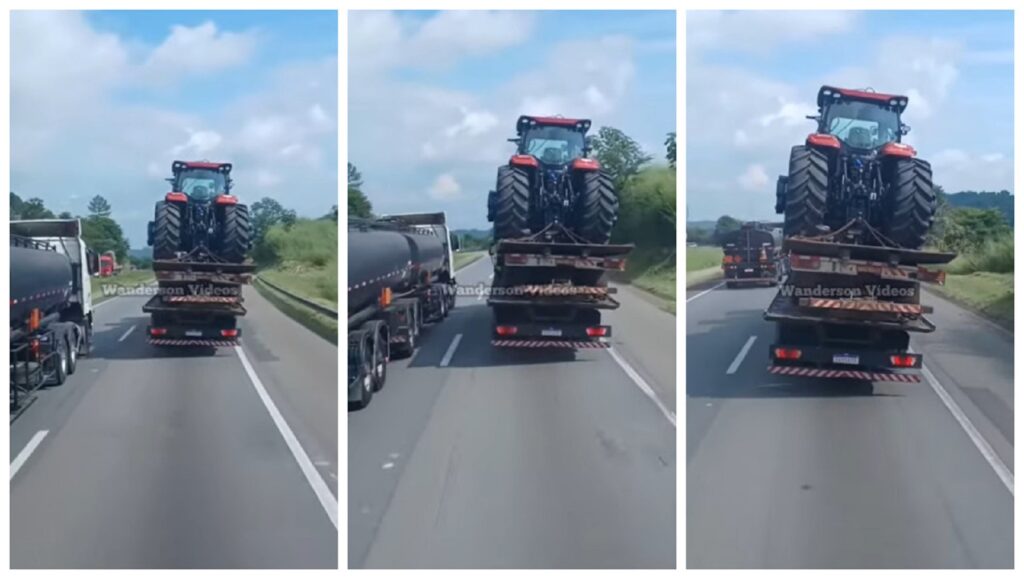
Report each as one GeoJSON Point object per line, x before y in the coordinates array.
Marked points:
{"type": "Point", "coordinates": [108, 264]}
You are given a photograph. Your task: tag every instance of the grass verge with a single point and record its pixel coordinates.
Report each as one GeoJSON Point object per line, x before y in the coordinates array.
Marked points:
{"type": "Point", "coordinates": [703, 264]}
{"type": "Point", "coordinates": [104, 288]}
{"type": "Point", "coordinates": [654, 271]}
{"type": "Point", "coordinates": [989, 294]}
{"type": "Point", "coordinates": [316, 284]}
{"type": "Point", "coordinates": [324, 326]}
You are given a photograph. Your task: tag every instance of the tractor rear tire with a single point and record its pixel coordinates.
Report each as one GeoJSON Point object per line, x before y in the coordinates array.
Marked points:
{"type": "Point", "coordinates": [598, 208]}
{"type": "Point", "coordinates": [511, 203]}
{"type": "Point", "coordinates": [166, 230]}
{"type": "Point", "coordinates": [806, 191]}
{"type": "Point", "coordinates": [237, 233]}
{"type": "Point", "coordinates": [910, 203]}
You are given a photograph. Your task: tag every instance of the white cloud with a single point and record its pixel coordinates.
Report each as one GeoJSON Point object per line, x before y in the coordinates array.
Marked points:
{"type": "Point", "coordinates": [959, 170]}
{"type": "Point", "coordinates": [281, 136]}
{"type": "Point", "coordinates": [198, 50]}
{"type": "Point", "coordinates": [445, 188]}
{"type": "Point", "coordinates": [762, 30]}
{"type": "Point", "coordinates": [754, 179]}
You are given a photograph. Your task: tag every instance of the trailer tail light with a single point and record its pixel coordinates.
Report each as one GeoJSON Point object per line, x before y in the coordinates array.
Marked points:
{"type": "Point", "coordinates": [506, 330]}
{"type": "Point", "coordinates": [385, 297]}
{"type": "Point", "coordinates": [229, 333]}
{"type": "Point", "coordinates": [34, 347]}
{"type": "Point", "coordinates": [176, 197]}
{"type": "Point", "coordinates": [904, 361]}
{"type": "Point", "coordinates": [158, 331]}
{"type": "Point", "coordinates": [597, 331]}
{"type": "Point", "coordinates": [515, 259]}
{"type": "Point", "coordinates": [787, 354]}
{"type": "Point", "coordinates": [616, 263]}
{"type": "Point", "coordinates": [805, 261]}
{"type": "Point", "coordinates": [35, 318]}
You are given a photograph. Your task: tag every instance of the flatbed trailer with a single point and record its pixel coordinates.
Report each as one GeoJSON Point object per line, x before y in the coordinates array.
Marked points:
{"type": "Point", "coordinates": [847, 310]}
{"type": "Point", "coordinates": [549, 289]}
{"type": "Point", "coordinates": [198, 301]}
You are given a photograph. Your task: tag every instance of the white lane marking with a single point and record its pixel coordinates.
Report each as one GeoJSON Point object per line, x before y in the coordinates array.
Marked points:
{"type": "Point", "coordinates": [327, 500]}
{"type": "Point", "coordinates": [447, 359]}
{"type": "Point", "coordinates": [1004, 473]}
{"type": "Point", "coordinates": [739, 357]}
{"type": "Point", "coordinates": [26, 452]}
{"type": "Point", "coordinates": [471, 264]}
{"type": "Point", "coordinates": [126, 334]}
{"type": "Point", "coordinates": [642, 384]}
{"type": "Point", "coordinates": [705, 292]}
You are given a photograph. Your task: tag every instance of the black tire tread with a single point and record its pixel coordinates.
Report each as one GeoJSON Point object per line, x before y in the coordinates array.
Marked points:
{"type": "Point", "coordinates": [237, 233]}
{"type": "Point", "coordinates": [598, 207]}
{"type": "Point", "coordinates": [166, 230]}
{"type": "Point", "coordinates": [806, 191]}
{"type": "Point", "coordinates": [910, 207]}
{"type": "Point", "coordinates": [511, 203]}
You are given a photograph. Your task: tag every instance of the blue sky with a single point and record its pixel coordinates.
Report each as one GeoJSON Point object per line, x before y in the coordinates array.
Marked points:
{"type": "Point", "coordinates": [433, 95]}
{"type": "Point", "coordinates": [257, 88]}
{"type": "Point", "coordinates": [751, 76]}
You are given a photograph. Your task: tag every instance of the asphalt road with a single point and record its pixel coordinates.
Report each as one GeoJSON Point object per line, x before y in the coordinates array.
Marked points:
{"type": "Point", "coordinates": [166, 459]}
{"type": "Point", "coordinates": [794, 473]}
{"type": "Point", "coordinates": [493, 458]}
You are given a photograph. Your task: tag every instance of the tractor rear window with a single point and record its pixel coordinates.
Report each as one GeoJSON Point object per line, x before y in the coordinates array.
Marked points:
{"type": "Point", "coordinates": [554, 145]}
{"type": "Point", "coordinates": [202, 184]}
{"type": "Point", "coordinates": [862, 125]}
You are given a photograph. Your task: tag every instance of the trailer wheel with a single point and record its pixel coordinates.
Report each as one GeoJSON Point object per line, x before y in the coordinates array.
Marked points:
{"type": "Point", "coordinates": [166, 230]}
{"type": "Point", "coordinates": [365, 359]}
{"type": "Point", "coordinates": [380, 355]}
{"type": "Point", "coordinates": [60, 362]}
{"type": "Point", "coordinates": [72, 345]}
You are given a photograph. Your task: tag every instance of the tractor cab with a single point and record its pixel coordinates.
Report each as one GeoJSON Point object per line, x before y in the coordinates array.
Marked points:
{"type": "Point", "coordinates": [200, 180]}
{"type": "Point", "coordinates": [552, 141]}
{"type": "Point", "coordinates": [859, 119]}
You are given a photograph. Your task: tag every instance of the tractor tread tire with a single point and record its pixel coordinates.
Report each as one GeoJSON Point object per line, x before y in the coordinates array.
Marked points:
{"type": "Point", "coordinates": [166, 230]}
{"type": "Point", "coordinates": [806, 191]}
{"type": "Point", "coordinates": [910, 207]}
{"type": "Point", "coordinates": [237, 233]}
{"type": "Point", "coordinates": [598, 207]}
{"type": "Point", "coordinates": [511, 208]}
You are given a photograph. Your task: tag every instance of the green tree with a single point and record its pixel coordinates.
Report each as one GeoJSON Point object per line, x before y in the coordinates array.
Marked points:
{"type": "Point", "coordinates": [99, 206]}
{"type": "Point", "coordinates": [969, 229]}
{"type": "Point", "coordinates": [620, 156]}
{"type": "Point", "coordinates": [65, 215]}
{"type": "Point", "coordinates": [670, 149]}
{"type": "Point", "coordinates": [266, 213]}
{"type": "Point", "coordinates": [725, 224]}
{"type": "Point", "coordinates": [102, 234]}
{"type": "Point", "coordinates": [647, 209]}
{"type": "Point", "coordinates": [358, 204]}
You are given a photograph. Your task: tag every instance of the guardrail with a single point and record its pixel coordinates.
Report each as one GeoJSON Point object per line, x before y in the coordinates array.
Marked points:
{"type": "Point", "coordinates": [321, 309]}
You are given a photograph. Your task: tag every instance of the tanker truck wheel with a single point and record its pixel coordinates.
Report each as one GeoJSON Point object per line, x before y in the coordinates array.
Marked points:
{"type": "Point", "coordinates": [806, 191]}
{"type": "Point", "coordinates": [379, 331]}
{"type": "Point", "coordinates": [166, 230]}
{"type": "Point", "coordinates": [237, 233]}
{"type": "Point", "coordinates": [910, 203]}
{"type": "Point", "coordinates": [364, 359]}
{"type": "Point", "coordinates": [72, 345]}
{"type": "Point", "coordinates": [511, 203]}
{"type": "Point", "coordinates": [60, 361]}
{"type": "Point", "coordinates": [598, 208]}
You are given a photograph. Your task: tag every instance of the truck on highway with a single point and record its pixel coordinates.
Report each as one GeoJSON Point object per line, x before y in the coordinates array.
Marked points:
{"type": "Point", "coordinates": [401, 278]}
{"type": "Point", "coordinates": [108, 264]}
{"type": "Point", "coordinates": [51, 314]}
{"type": "Point", "coordinates": [858, 205]}
{"type": "Point", "coordinates": [200, 237]}
{"type": "Point", "coordinates": [749, 256]}
{"type": "Point", "coordinates": [553, 209]}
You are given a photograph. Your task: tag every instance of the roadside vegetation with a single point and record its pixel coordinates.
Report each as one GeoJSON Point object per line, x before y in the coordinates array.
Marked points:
{"type": "Point", "coordinates": [104, 288]}
{"type": "Point", "coordinates": [981, 277]}
{"type": "Point", "coordinates": [300, 256]}
{"type": "Point", "coordinates": [703, 264]}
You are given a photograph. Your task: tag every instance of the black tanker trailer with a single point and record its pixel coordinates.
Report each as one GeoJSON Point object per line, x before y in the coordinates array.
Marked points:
{"type": "Point", "coordinates": [400, 277]}
{"type": "Point", "coordinates": [50, 304]}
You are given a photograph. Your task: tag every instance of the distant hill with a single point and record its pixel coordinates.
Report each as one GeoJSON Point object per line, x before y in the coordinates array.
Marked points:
{"type": "Point", "coordinates": [1003, 201]}
{"type": "Point", "coordinates": [706, 224]}
{"type": "Point", "coordinates": [478, 233]}
{"type": "Point", "coordinates": [143, 253]}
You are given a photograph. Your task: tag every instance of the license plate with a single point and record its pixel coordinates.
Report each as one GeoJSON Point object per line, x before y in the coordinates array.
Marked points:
{"type": "Point", "coordinates": [551, 332]}
{"type": "Point", "coordinates": [845, 359]}
{"type": "Point", "coordinates": [194, 333]}
{"type": "Point", "coordinates": [748, 270]}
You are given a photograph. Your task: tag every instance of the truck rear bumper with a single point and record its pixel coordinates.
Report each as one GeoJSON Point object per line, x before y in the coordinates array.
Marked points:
{"type": "Point", "coordinates": [809, 372]}
{"type": "Point", "coordinates": [193, 342]}
{"type": "Point", "coordinates": [549, 343]}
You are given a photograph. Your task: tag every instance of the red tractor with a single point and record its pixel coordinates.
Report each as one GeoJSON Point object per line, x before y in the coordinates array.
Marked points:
{"type": "Point", "coordinates": [550, 179]}
{"type": "Point", "coordinates": [201, 214]}
{"type": "Point", "coordinates": [855, 165]}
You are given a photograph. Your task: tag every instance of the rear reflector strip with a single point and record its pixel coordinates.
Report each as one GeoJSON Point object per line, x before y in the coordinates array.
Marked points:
{"type": "Point", "coordinates": [865, 306]}
{"type": "Point", "coordinates": [192, 342]}
{"type": "Point", "coordinates": [202, 299]}
{"type": "Point", "coordinates": [582, 344]}
{"type": "Point", "coordinates": [850, 374]}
